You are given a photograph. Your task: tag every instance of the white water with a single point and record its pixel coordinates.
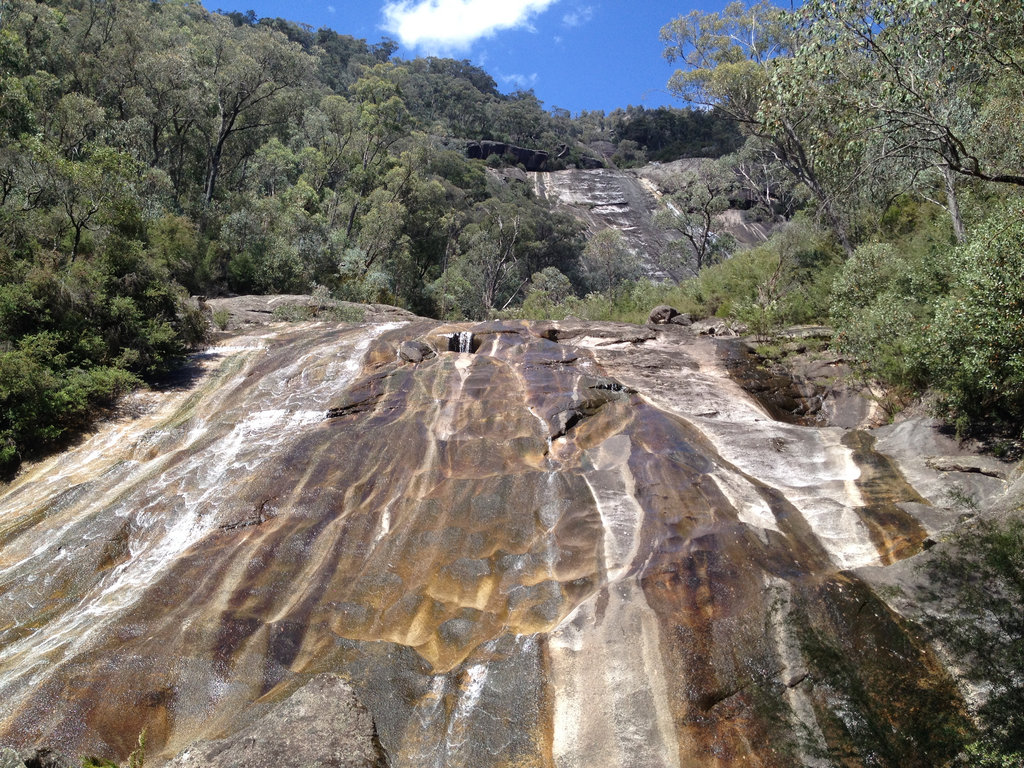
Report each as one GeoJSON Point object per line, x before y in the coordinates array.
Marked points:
{"type": "Point", "coordinates": [171, 500]}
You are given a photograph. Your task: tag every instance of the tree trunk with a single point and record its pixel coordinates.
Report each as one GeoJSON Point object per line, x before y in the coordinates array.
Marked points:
{"type": "Point", "coordinates": [789, 151]}
{"type": "Point", "coordinates": [953, 204]}
{"type": "Point", "coordinates": [227, 127]}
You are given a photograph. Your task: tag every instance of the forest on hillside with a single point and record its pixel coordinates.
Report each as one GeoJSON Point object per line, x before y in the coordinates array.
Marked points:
{"type": "Point", "coordinates": [151, 151]}
{"type": "Point", "coordinates": [901, 125]}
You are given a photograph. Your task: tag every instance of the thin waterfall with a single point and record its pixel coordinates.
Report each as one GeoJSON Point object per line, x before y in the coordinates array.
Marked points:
{"type": "Point", "coordinates": [461, 342]}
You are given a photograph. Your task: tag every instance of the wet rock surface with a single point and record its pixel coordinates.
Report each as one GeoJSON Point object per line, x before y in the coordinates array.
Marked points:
{"type": "Point", "coordinates": [605, 198]}
{"type": "Point", "coordinates": [552, 544]}
{"type": "Point", "coordinates": [323, 724]}
{"type": "Point", "coordinates": [35, 757]}
{"type": "Point", "coordinates": [626, 200]}
{"type": "Point", "coordinates": [813, 386]}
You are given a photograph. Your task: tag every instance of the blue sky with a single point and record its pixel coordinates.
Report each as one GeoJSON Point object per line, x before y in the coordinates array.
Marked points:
{"type": "Point", "coordinates": [575, 54]}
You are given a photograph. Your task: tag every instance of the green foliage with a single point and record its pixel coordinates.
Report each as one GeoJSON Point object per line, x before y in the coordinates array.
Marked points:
{"type": "Point", "coordinates": [548, 290]}
{"type": "Point", "coordinates": [136, 759]}
{"type": "Point", "coordinates": [629, 154]}
{"type": "Point", "coordinates": [782, 281]}
{"type": "Point", "coordinates": [881, 312]}
{"type": "Point", "coordinates": [977, 359]}
{"type": "Point", "coordinates": [608, 262]}
{"type": "Point", "coordinates": [666, 134]}
{"type": "Point", "coordinates": [904, 80]}
{"type": "Point", "coordinates": [724, 56]}
{"type": "Point", "coordinates": [40, 404]}
{"type": "Point", "coordinates": [985, 754]}
{"type": "Point", "coordinates": [982, 570]}
{"type": "Point", "coordinates": [297, 313]}
{"type": "Point", "coordinates": [699, 196]}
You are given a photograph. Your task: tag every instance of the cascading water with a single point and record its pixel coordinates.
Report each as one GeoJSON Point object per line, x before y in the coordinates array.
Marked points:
{"type": "Point", "coordinates": [461, 342]}
{"type": "Point", "coordinates": [165, 501]}
{"type": "Point", "coordinates": [497, 596]}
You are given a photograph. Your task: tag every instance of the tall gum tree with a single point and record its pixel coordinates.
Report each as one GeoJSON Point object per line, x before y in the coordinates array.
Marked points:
{"type": "Point", "coordinates": [250, 73]}
{"type": "Point", "coordinates": [923, 83]}
{"type": "Point", "coordinates": [727, 61]}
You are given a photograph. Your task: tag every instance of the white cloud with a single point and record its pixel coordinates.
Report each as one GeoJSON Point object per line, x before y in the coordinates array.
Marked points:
{"type": "Point", "coordinates": [580, 16]}
{"type": "Point", "coordinates": [521, 82]}
{"type": "Point", "coordinates": [331, 9]}
{"type": "Point", "coordinates": [447, 25]}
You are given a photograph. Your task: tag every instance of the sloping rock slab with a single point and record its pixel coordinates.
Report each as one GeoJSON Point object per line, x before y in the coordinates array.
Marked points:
{"type": "Point", "coordinates": [37, 757]}
{"type": "Point", "coordinates": [322, 725]}
{"type": "Point", "coordinates": [261, 310]}
{"type": "Point", "coordinates": [602, 333]}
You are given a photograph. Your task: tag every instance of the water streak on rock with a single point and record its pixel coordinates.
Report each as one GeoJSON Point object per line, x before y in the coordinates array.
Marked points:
{"type": "Point", "coordinates": [599, 553]}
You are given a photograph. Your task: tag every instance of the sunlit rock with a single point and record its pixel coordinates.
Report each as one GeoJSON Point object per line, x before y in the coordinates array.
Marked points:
{"type": "Point", "coordinates": [558, 545]}
{"type": "Point", "coordinates": [322, 724]}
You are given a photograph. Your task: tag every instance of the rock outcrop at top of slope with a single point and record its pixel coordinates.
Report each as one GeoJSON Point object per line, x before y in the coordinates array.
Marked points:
{"type": "Point", "coordinates": [543, 544]}
{"type": "Point", "coordinates": [627, 200]}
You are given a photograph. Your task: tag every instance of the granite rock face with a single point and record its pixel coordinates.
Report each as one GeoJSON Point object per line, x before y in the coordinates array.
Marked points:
{"type": "Point", "coordinates": [606, 198]}
{"type": "Point", "coordinates": [561, 545]}
{"type": "Point", "coordinates": [322, 725]}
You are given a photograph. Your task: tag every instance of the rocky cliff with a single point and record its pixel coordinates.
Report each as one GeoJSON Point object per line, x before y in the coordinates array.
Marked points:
{"type": "Point", "coordinates": [627, 200]}
{"type": "Point", "coordinates": [556, 545]}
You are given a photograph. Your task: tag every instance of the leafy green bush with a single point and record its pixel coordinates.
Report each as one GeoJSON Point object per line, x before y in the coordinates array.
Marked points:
{"type": "Point", "coordinates": [39, 403]}
{"type": "Point", "coordinates": [880, 313]}
{"type": "Point", "coordinates": [976, 341]}
{"type": "Point", "coordinates": [982, 573]}
{"type": "Point", "coordinates": [79, 333]}
{"type": "Point", "coordinates": [783, 280]}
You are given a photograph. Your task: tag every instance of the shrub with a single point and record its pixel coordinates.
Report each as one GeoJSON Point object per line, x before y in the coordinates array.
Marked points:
{"type": "Point", "coordinates": [982, 573]}
{"type": "Point", "coordinates": [975, 343]}
{"type": "Point", "coordinates": [783, 280]}
{"type": "Point", "coordinates": [882, 300]}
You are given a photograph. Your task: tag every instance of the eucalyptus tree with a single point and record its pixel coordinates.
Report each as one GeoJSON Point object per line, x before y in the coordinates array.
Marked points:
{"type": "Point", "coordinates": [370, 128]}
{"type": "Point", "coordinates": [701, 194]}
{"type": "Point", "coordinates": [920, 84]}
{"type": "Point", "coordinates": [728, 61]}
{"type": "Point", "coordinates": [250, 76]}
{"type": "Point", "coordinates": [608, 262]}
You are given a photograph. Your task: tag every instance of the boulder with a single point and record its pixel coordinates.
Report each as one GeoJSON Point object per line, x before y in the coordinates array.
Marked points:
{"type": "Point", "coordinates": [323, 724]}
{"type": "Point", "coordinates": [682, 319]}
{"type": "Point", "coordinates": [662, 314]}
{"type": "Point", "coordinates": [415, 351]}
